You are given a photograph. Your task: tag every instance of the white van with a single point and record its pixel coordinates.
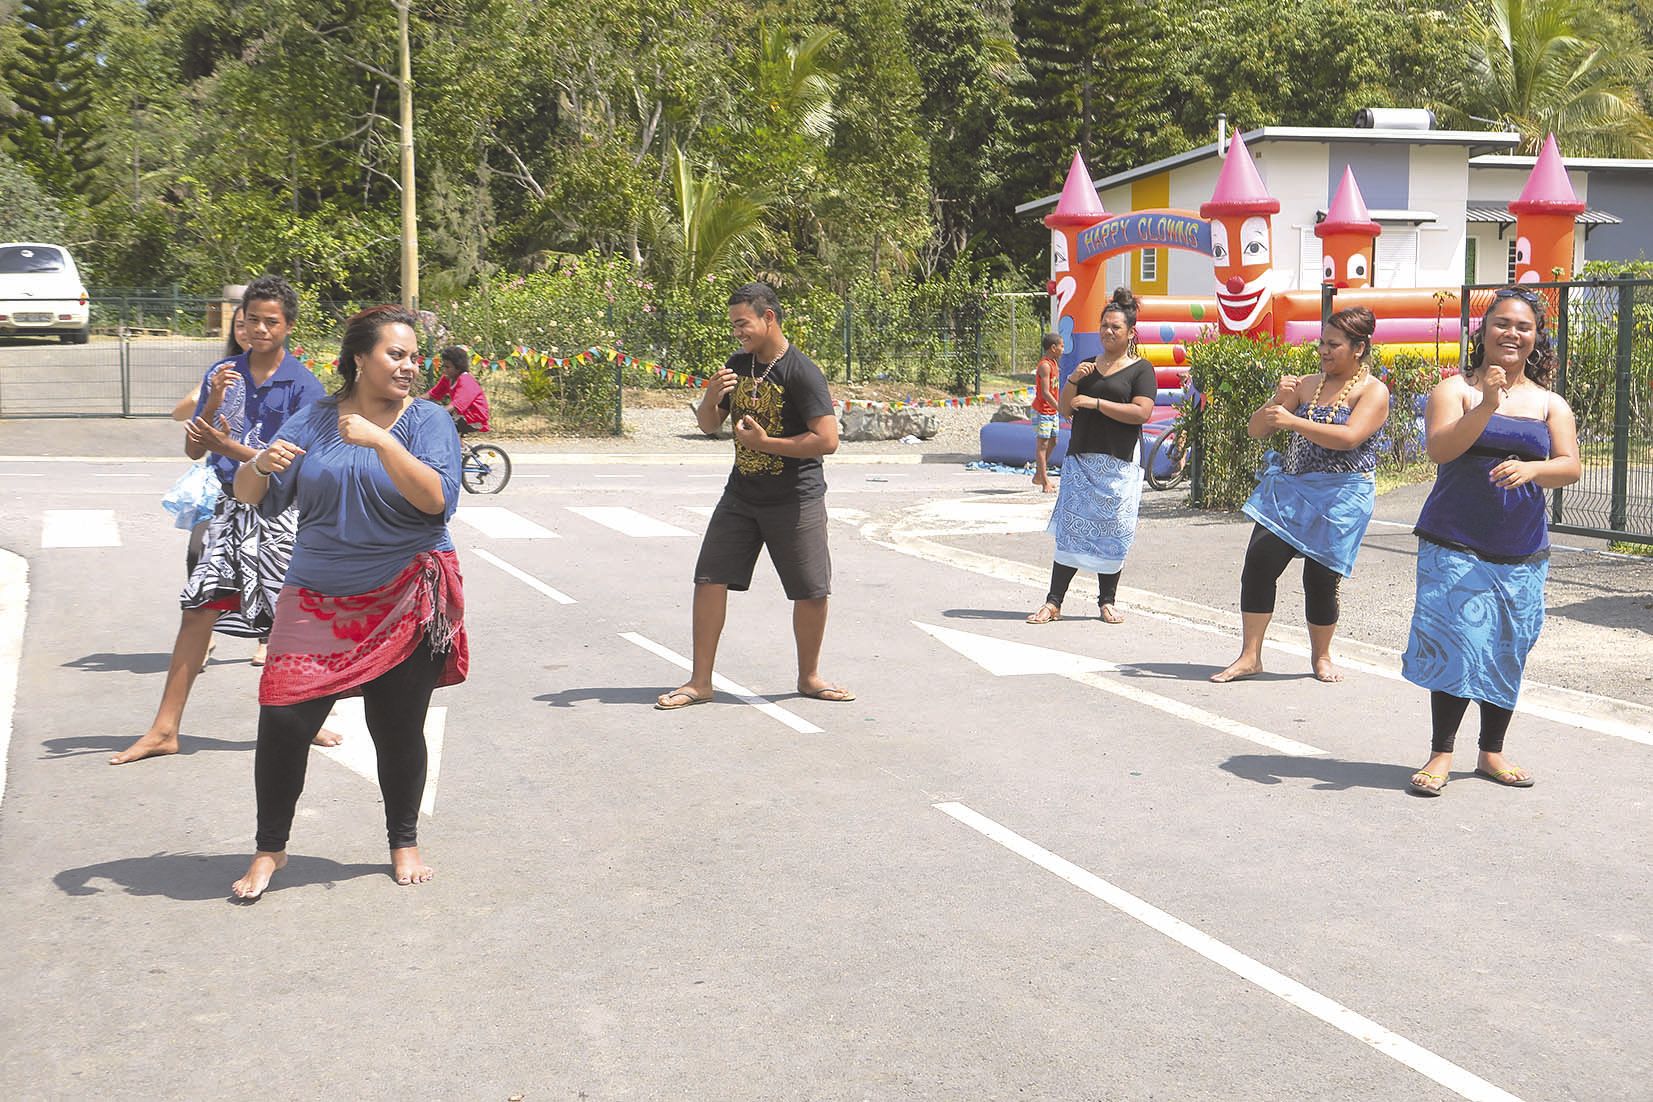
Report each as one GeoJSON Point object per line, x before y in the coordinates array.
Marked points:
{"type": "Point", "coordinates": [41, 292]}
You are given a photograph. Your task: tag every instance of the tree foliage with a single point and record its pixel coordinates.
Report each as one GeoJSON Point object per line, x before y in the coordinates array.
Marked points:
{"type": "Point", "coordinates": [860, 149]}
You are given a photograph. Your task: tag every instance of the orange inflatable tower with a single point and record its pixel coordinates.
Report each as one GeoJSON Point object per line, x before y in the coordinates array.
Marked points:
{"type": "Point", "coordinates": [1544, 216]}
{"type": "Point", "coordinates": [1077, 306]}
{"type": "Point", "coordinates": [1242, 244]}
{"type": "Point", "coordinates": [1348, 237]}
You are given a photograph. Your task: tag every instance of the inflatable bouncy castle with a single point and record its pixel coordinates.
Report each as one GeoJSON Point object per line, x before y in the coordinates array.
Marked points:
{"type": "Point", "coordinates": [1235, 229]}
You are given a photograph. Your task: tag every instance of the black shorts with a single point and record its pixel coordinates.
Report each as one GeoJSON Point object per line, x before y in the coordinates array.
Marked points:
{"type": "Point", "coordinates": [795, 533]}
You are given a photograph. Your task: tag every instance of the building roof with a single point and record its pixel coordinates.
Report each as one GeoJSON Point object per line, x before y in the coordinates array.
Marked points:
{"type": "Point", "coordinates": [1499, 160]}
{"type": "Point", "coordinates": [1474, 139]}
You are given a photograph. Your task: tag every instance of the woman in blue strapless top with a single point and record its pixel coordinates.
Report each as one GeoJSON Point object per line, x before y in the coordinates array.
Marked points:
{"type": "Point", "coordinates": [1501, 439]}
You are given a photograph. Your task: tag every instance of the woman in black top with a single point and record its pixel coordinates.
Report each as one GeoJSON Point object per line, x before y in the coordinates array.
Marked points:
{"type": "Point", "coordinates": [1109, 399]}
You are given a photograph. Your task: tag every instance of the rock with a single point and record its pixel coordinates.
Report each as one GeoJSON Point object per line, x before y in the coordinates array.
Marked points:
{"type": "Point", "coordinates": [862, 425]}
{"type": "Point", "coordinates": [1013, 411]}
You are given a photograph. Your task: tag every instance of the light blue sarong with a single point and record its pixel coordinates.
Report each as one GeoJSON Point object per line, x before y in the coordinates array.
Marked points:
{"type": "Point", "coordinates": [1473, 624]}
{"type": "Point", "coordinates": [1322, 514]}
{"type": "Point", "coordinates": [1094, 520]}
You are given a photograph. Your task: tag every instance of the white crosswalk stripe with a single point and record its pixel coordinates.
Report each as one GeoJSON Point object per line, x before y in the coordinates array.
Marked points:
{"type": "Point", "coordinates": [79, 528]}
{"type": "Point", "coordinates": [628, 522]}
{"type": "Point", "coordinates": [500, 523]}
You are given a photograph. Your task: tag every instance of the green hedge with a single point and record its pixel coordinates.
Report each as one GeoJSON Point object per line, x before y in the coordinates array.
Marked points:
{"type": "Point", "coordinates": [1235, 375]}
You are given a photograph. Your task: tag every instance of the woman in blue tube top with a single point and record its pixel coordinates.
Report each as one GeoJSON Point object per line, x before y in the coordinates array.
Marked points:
{"type": "Point", "coordinates": [1501, 439]}
{"type": "Point", "coordinates": [1316, 500]}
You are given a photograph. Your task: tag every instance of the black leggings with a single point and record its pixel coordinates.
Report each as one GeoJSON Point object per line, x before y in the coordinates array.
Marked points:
{"type": "Point", "coordinates": [395, 703]}
{"type": "Point", "coordinates": [1447, 711]}
{"type": "Point", "coordinates": [1107, 585]}
{"type": "Point", "coordinates": [1266, 558]}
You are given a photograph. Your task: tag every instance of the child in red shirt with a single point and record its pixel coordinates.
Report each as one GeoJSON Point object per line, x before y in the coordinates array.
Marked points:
{"type": "Point", "coordinates": [459, 391]}
{"type": "Point", "coordinates": [1047, 419]}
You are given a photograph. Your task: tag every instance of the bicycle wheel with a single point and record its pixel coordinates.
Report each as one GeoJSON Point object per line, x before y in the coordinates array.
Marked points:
{"type": "Point", "coordinates": [487, 469]}
{"type": "Point", "coordinates": [1168, 460]}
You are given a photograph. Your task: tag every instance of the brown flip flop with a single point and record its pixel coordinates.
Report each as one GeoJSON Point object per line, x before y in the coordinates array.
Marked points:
{"type": "Point", "coordinates": [689, 700]}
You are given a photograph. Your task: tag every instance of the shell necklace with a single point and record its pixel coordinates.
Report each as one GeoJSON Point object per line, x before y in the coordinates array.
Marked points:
{"type": "Point", "coordinates": [1331, 410]}
{"type": "Point", "coordinates": [759, 380]}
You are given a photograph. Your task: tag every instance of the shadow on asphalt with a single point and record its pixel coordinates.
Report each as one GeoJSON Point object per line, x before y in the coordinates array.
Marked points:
{"type": "Point", "coordinates": [1631, 610]}
{"type": "Point", "coordinates": [1198, 671]}
{"type": "Point", "coordinates": [1332, 774]}
{"type": "Point", "coordinates": [114, 744]}
{"type": "Point", "coordinates": [121, 663]}
{"type": "Point", "coordinates": [984, 614]}
{"type": "Point", "coordinates": [614, 694]}
{"type": "Point", "coordinates": [198, 877]}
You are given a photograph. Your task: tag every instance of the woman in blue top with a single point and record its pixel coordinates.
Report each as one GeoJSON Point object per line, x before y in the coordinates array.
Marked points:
{"type": "Point", "coordinates": [1501, 439]}
{"type": "Point", "coordinates": [1318, 500]}
{"type": "Point", "coordinates": [373, 604]}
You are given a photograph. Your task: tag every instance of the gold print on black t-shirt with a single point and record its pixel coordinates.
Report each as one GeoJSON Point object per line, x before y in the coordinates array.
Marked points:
{"type": "Point", "coordinates": [762, 402]}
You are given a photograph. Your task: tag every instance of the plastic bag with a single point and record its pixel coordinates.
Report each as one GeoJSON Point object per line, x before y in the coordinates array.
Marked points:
{"type": "Point", "coordinates": [193, 497]}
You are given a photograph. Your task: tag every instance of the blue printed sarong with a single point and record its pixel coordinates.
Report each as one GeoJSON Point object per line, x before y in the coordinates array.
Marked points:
{"type": "Point", "coordinates": [1094, 520]}
{"type": "Point", "coordinates": [1473, 624]}
{"type": "Point", "coordinates": [1320, 513]}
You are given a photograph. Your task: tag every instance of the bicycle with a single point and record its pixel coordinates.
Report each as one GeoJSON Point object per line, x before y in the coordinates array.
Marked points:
{"type": "Point", "coordinates": [1167, 464]}
{"type": "Point", "coordinates": [486, 468]}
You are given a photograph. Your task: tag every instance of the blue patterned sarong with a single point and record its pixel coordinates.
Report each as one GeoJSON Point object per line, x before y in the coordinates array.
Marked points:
{"type": "Point", "coordinates": [1320, 513]}
{"type": "Point", "coordinates": [1473, 624]}
{"type": "Point", "coordinates": [1094, 520]}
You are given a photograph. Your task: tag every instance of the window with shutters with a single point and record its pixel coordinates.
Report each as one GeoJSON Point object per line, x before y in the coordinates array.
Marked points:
{"type": "Point", "coordinates": [1148, 268]}
{"type": "Point", "coordinates": [1396, 260]}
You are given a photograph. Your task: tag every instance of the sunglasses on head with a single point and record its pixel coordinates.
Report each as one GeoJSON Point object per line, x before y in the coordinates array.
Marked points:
{"type": "Point", "coordinates": [1529, 297]}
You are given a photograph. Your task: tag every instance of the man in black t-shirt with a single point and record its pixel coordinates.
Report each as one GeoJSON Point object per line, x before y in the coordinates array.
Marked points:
{"type": "Point", "coordinates": [776, 494]}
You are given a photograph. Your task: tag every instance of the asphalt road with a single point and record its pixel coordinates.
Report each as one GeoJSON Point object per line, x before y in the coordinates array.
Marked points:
{"type": "Point", "coordinates": [1074, 872]}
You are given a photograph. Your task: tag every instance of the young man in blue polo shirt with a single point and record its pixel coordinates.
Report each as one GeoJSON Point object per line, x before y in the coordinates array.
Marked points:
{"type": "Point", "coordinates": [244, 401]}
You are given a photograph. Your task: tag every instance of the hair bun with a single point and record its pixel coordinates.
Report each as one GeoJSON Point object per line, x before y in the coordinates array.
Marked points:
{"type": "Point", "coordinates": [1123, 297]}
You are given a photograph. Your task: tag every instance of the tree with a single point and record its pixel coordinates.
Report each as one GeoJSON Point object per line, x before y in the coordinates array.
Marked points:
{"type": "Point", "coordinates": [1533, 68]}
{"type": "Point", "coordinates": [52, 132]}
{"type": "Point", "coordinates": [717, 230]}
{"type": "Point", "coordinates": [26, 212]}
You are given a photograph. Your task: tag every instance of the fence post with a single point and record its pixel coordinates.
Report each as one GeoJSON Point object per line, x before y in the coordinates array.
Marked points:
{"type": "Point", "coordinates": [126, 373]}
{"type": "Point", "coordinates": [1561, 343]}
{"type": "Point", "coordinates": [980, 325]}
{"type": "Point", "coordinates": [848, 320]}
{"type": "Point", "coordinates": [1463, 327]}
{"type": "Point", "coordinates": [1328, 293]}
{"type": "Point", "coordinates": [1014, 361]}
{"type": "Point", "coordinates": [1618, 514]}
{"type": "Point", "coordinates": [1196, 455]}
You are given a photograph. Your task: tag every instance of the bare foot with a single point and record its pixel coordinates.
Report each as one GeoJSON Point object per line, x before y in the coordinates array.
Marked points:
{"type": "Point", "coordinates": [261, 653]}
{"type": "Point", "coordinates": [151, 744]}
{"type": "Point", "coordinates": [264, 865]}
{"type": "Point", "coordinates": [1241, 668]}
{"type": "Point", "coordinates": [1050, 488]}
{"type": "Point", "coordinates": [1111, 615]}
{"type": "Point", "coordinates": [327, 737]}
{"type": "Point", "coordinates": [406, 867]}
{"type": "Point", "coordinates": [1325, 671]}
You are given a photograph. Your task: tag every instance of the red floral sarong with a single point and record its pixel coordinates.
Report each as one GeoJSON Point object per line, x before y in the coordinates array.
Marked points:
{"type": "Point", "coordinates": [332, 646]}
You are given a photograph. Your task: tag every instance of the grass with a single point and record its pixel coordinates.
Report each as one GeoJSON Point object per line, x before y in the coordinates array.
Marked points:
{"type": "Point", "coordinates": [1391, 478]}
{"type": "Point", "coordinates": [1625, 548]}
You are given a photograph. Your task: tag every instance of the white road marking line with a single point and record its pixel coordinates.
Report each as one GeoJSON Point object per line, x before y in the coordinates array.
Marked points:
{"type": "Point", "coordinates": [628, 522]}
{"type": "Point", "coordinates": [80, 528]}
{"type": "Point", "coordinates": [500, 523]}
{"type": "Point", "coordinates": [14, 608]}
{"type": "Point", "coordinates": [1004, 658]}
{"type": "Point", "coordinates": [739, 692]}
{"type": "Point", "coordinates": [356, 753]}
{"type": "Point", "coordinates": [523, 576]}
{"type": "Point", "coordinates": [97, 474]}
{"type": "Point", "coordinates": [1449, 1075]}
{"type": "Point", "coordinates": [617, 476]}
{"type": "Point", "coordinates": [1537, 699]}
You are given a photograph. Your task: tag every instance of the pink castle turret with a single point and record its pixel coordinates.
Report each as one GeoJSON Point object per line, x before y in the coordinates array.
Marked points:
{"type": "Point", "coordinates": [1242, 239]}
{"type": "Point", "coordinates": [1078, 288]}
{"type": "Point", "coordinates": [1544, 216]}
{"type": "Point", "coordinates": [1348, 237]}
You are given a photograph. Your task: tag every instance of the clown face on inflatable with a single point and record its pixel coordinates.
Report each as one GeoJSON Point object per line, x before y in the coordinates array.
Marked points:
{"type": "Point", "coordinates": [1242, 244]}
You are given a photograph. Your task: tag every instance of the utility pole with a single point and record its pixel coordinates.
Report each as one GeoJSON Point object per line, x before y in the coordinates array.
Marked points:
{"type": "Point", "coordinates": [410, 206]}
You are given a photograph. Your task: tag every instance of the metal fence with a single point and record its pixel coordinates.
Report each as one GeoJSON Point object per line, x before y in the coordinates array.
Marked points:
{"type": "Point", "coordinates": [1603, 336]}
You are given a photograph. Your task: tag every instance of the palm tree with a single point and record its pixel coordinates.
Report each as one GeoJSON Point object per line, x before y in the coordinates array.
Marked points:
{"type": "Point", "coordinates": [717, 229]}
{"type": "Point", "coordinates": [1531, 68]}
